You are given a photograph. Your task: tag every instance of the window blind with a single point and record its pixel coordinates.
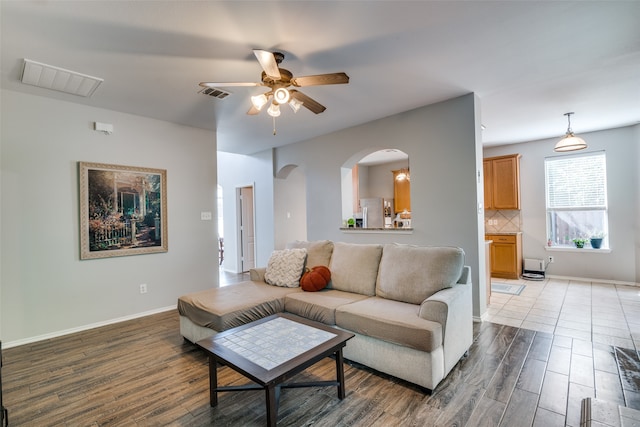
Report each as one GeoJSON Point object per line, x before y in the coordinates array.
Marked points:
{"type": "Point", "coordinates": [576, 182]}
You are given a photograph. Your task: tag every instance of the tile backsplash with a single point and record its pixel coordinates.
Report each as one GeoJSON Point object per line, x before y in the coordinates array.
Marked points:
{"type": "Point", "coordinates": [502, 221]}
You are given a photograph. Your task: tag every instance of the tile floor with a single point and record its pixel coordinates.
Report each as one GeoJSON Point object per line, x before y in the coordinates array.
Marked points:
{"type": "Point", "coordinates": [590, 311]}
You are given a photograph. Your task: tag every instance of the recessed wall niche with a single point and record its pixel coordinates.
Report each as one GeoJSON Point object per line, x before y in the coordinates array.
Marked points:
{"type": "Point", "coordinates": [369, 189]}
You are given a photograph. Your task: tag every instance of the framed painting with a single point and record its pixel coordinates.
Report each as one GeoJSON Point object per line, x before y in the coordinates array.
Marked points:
{"type": "Point", "coordinates": [123, 210]}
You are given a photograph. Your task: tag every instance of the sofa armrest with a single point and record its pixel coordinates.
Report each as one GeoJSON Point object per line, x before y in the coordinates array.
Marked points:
{"type": "Point", "coordinates": [439, 306]}
{"type": "Point", "coordinates": [453, 309]}
{"type": "Point", "coordinates": [465, 277]}
{"type": "Point", "coordinates": [257, 274]}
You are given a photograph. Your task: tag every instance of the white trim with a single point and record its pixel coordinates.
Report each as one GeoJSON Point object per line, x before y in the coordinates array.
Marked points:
{"type": "Point", "coordinates": [577, 250]}
{"type": "Point", "coordinates": [588, 279]}
{"type": "Point", "coordinates": [85, 327]}
{"type": "Point", "coordinates": [355, 230]}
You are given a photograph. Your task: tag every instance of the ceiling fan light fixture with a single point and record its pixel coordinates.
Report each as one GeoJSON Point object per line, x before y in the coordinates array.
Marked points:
{"type": "Point", "coordinates": [295, 104]}
{"type": "Point", "coordinates": [281, 95]}
{"type": "Point", "coordinates": [570, 142]}
{"type": "Point", "coordinates": [274, 110]}
{"type": "Point", "coordinates": [259, 101]}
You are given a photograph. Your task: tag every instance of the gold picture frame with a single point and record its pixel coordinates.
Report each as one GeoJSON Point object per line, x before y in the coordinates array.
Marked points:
{"type": "Point", "coordinates": [123, 210]}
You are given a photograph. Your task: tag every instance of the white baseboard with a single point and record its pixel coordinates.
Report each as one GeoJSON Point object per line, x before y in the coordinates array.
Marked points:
{"type": "Point", "coordinates": [588, 279]}
{"type": "Point", "coordinates": [84, 327]}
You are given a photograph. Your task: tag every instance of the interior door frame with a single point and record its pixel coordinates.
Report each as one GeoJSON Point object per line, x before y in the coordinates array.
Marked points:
{"type": "Point", "coordinates": [239, 234]}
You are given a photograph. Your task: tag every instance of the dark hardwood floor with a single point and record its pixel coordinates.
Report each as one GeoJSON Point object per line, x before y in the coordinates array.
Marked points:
{"type": "Point", "coordinates": [141, 372]}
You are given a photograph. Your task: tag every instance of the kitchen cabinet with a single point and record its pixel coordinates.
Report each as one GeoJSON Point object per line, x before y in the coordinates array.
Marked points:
{"type": "Point", "coordinates": [502, 182]}
{"type": "Point", "coordinates": [401, 191]}
{"type": "Point", "coordinates": [506, 255]}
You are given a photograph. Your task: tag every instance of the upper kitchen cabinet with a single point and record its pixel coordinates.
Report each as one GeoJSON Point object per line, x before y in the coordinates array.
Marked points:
{"type": "Point", "coordinates": [502, 182]}
{"type": "Point", "coordinates": [401, 191]}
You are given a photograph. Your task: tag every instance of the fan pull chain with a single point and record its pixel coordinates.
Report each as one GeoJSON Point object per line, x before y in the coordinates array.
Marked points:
{"type": "Point", "coordinates": [274, 125]}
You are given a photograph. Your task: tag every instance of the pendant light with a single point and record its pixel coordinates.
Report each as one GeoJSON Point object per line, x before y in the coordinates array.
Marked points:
{"type": "Point", "coordinates": [570, 142]}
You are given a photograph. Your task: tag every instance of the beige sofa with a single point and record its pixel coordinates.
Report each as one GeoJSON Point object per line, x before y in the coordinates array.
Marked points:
{"type": "Point", "coordinates": [409, 306]}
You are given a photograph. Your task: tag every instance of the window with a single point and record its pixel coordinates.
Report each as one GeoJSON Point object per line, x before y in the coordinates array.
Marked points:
{"type": "Point", "coordinates": [576, 194]}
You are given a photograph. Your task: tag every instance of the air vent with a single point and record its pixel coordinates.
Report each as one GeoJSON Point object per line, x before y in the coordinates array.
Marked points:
{"type": "Point", "coordinates": [55, 78]}
{"type": "Point", "coordinates": [215, 92]}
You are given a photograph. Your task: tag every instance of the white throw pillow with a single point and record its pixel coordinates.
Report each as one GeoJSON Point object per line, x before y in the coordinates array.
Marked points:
{"type": "Point", "coordinates": [285, 267]}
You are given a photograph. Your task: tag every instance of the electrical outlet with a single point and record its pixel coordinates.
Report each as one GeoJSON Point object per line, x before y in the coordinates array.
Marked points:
{"type": "Point", "coordinates": [551, 260]}
{"type": "Point", "coordinates": [143, 288]}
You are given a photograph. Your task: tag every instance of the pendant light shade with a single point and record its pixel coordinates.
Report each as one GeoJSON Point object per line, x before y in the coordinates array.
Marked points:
{"type": "Point", "coordinates": [570, 142]}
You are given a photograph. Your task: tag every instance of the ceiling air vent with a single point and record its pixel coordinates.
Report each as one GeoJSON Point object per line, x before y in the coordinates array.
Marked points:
{"type": "Point", "coordinates": [215, 92]}
{"type": "Point", "coordinates": [55, 78]}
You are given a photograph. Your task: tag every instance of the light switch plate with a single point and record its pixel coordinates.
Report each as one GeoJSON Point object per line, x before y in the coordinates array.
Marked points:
{"type": "Point", "coordinates": [205, 216]}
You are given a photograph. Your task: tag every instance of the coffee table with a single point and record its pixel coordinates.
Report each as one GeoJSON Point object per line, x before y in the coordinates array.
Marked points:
{"type": "Point", "coordinates": [272, 350]}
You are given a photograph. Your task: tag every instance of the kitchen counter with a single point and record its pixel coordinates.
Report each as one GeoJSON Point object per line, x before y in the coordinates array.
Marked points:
{"type": "Point", "coordinates": [400, 230]}
{"type": "Point", "coordinates": [505, 233]}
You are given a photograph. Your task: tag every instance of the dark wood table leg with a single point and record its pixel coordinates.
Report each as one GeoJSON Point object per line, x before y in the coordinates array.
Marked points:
{"type": "Point", "coordinates": [272, 394]}
{"type": "Point", "coordinates": [213, 381]}
{"type": "Point", "coordinates": [340, 374]}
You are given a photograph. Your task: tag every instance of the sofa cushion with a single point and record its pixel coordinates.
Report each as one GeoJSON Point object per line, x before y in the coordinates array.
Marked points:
{"type": "Point", "coordinates": [354, 267]}
{"type": "Point", "coordinates": [233, 305]}
{"type": "Point", "coordinates": [319, 306]}
{"type": "Point", "coordinates": [388, 320]}
{"type": "Point", "coordinates": [412, 274]}
{"type": "Point", "coordinates": [318, 252]}
{"type": "Point", "coordinates": [285, 267]}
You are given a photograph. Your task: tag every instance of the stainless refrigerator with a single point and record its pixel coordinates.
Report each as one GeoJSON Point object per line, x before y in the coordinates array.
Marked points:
{"type": "Point", "coordinates": [372, 212]}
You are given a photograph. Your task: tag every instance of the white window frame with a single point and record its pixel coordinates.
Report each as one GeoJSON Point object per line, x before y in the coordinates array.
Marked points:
{"type": "Point", "coordinates": [568, 208]}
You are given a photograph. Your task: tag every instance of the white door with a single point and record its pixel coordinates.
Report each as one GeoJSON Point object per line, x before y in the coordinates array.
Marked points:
{"type": "Point", "coordinates": [247, 230]}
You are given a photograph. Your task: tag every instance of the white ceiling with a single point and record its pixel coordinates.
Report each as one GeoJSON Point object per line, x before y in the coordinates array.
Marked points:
{"type": "Point", "coordinates": [529, 62]}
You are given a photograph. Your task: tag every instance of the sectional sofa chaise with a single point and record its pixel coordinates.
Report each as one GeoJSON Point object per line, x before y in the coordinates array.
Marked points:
{"type": "Point", "coordinates": [409, 306]}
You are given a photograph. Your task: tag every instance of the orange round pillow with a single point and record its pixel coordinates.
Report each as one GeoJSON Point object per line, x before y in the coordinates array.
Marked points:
{"type": "Point", "coordinates": [315, 279]}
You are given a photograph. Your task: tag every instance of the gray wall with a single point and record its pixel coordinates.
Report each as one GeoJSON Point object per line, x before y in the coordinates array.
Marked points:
{"type": "Point", "coordinates": [636, 138]}
{"type": "Point", "coordinates": [292, 224]}
{"type": "Point", "coordinates": [380, 182]}
{"type": "Point", "coordinates": [445, 154]}
{"type": "Point", "coordinates": [622, 148]}
{"type": "Point", "coordinates": [46, 289]}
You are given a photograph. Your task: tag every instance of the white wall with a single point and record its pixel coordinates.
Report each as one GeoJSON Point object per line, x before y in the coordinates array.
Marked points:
{"type": "Point", "coordinates": [622, 148]}
{"type": "Point", "coordinates": [445, 154]}
{"type": "Point", "coordinates": [46, 289]}
{"type": "Point", "coordinates": [237, 170]}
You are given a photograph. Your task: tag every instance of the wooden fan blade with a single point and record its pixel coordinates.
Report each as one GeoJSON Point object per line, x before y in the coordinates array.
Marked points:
{"type": "Point", "coordinates": [321, 79]}
{"type": "Point", "coordinates": [268, 63]}
{"type": "Point", "coordinates": [310, 103]}
{"type": "Point", "coordinates": [212, 84]}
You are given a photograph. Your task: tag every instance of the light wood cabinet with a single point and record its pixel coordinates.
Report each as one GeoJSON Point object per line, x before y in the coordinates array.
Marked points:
{"type": "Point", "coordinates": [502, 182]}
{"type": "Point", "coordinates": [355, 186]}
{"type": "Point", "coordinates": [506, 255]}
{"type": "Point", "coordinates": [401, 192]}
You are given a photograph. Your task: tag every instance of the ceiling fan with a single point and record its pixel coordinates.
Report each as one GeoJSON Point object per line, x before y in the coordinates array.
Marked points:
{"type": "Point", "coordinates": [278, 80]}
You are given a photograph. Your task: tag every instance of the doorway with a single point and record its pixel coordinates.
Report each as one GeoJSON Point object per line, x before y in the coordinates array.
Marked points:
{"type": "Point", "coordinates": [246, 228]}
